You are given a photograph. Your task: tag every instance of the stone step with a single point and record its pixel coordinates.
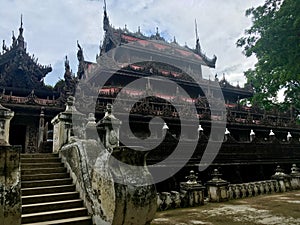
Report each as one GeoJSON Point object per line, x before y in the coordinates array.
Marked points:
{"type": "Point", "coordinates": [38, 155]}
{"type": "Point", "coordinates": [45, 176]}
{"type": "Point", "coordinates": [53, 197]}
{"type": "Point", "coordinates": [47, 190]}
{"type": "Point", "coordinates": [48, 193]}
{"type": "Point", "coordinates": [83, 220]}
{"type": "Point", "coordinates": [44, 183]}
{"type": "Point", "coordinates": [41, 165]}
{"type": "Point", "coordinates": [50, 215]}
{"type": "Point", "coordinates": [40, 160]}
{"type": "Point", "coordinates": [43, 171]}
{"type": "Point", "coordinates": [51, 206]}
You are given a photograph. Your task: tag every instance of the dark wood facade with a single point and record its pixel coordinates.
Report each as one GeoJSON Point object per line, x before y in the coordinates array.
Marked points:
{"type": "Point", "coordinates": [155, 60]}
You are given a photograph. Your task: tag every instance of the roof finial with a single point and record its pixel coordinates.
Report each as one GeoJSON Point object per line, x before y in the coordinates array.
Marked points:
{"type": "Point", "coordinates": [105, 19]}
{"type": "Point", "coordinates": [104, 7]}
{"type": "Point", "coordinates": [198, 47]}
{"type": "Point", "coordinates": [196, 30]}
{"type": "Point", "coordinates": [174, 40]}
{"type": "Point", "coordinates": [21, 21]}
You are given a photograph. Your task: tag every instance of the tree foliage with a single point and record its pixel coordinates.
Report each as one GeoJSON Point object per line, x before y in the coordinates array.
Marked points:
{"type": "Point", "coordinates": [274, 38]}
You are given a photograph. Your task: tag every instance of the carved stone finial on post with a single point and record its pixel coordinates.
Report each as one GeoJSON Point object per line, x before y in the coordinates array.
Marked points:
{"type": "Point", "coordinates": [194, 190]}
{"type": "Point", "coordinates": [217, 187]}
{"type": "Point", "coordinates": [109, 128]}
{"type": "Point", "coordinates": [192, 178]}
{"type": "Point", "coordinates": [5, 116]}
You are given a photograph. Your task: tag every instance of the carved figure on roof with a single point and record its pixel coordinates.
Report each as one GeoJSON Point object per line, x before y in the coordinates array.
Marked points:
{"type": "Point", "coordinates": [80, 72]}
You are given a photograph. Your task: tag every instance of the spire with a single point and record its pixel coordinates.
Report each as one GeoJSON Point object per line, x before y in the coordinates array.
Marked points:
{"type": "Point", "coordinates": [105, 19]}
{"type": "Point", "coordinates": [21, 42]}
{"type": "Point", "coordinates": [198, 47]}
{"type": "Point", "coordinates": [21, 26]}
{"type": "Point", "coordinates": [174, 40]}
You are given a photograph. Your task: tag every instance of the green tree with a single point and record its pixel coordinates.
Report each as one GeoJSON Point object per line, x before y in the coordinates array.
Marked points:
{"type": "Point", "coordinates": [274, 38]}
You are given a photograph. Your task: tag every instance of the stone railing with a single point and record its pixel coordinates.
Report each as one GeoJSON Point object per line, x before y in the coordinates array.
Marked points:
{"type": "Point", "coordinates": [236, 191]}
{"type": "Point", "coordinates": [182, 199]}
{"type": "Point", "coordinates": [191, 193]}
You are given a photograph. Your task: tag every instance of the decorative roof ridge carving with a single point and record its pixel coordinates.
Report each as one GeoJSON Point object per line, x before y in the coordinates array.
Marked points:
{"type": "Point", "coordinates": [115, 35]}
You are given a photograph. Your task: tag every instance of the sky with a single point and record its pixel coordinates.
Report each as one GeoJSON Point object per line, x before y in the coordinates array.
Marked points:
{"type": "Point", "coordinates": [52, 28]}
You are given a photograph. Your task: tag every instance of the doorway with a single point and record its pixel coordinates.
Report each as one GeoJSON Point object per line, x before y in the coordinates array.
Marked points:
{"type": "Point", "coordinates": [17, 135]}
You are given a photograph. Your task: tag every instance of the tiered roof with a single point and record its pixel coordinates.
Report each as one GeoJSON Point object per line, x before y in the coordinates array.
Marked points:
{"type": "Point", "coordinates": [18, 69]}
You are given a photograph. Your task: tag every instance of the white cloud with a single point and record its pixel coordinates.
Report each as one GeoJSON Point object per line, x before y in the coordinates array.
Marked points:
{"type": "Point", "coordinates": [53, 26]}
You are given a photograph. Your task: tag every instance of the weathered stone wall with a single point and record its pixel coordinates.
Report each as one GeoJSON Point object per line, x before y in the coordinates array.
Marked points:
{"type": "Point", "coordinates": [10, 185]}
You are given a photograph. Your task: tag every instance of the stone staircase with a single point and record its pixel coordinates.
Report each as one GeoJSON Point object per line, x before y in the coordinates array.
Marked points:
{"type": "Point", "coordinates": [48, 195]}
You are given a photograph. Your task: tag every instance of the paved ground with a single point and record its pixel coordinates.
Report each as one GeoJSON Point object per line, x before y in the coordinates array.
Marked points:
{"type": "Point", "coordinates": [278, 209]}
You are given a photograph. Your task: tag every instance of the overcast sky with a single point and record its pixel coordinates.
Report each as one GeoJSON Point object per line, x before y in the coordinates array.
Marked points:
{"type": "Point", "coordinates": [51, 28]}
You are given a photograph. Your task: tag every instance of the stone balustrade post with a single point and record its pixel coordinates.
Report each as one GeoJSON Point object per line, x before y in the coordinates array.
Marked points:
{"type": "Point", "coordinates": [10, 174]}
{"type": "Point", "coordinates": [194, 190]}
{"type": "Point", "coordinates": [109, 129]}
{"type": "Point", "coordinates": [282, 178]}
{"type": "Point", "coordinates": [295, 177]}
{"type": "Point", "coordinates": [64, 125]}
{"type": "Point", "coordinates": [91, 127]}
{"type": "Point", "coordinates": [217, 188]}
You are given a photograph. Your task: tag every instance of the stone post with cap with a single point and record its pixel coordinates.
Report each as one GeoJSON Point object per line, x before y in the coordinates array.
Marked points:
{"type": "Point", "coordinates": [10, 182]}
{"type": "Point", "coordinates": [5, 116]}
{"type": "Point", "coordinates": [67, 124]}
{"type": "Point", "coordinates": [109, 129]}
{"type": "Point", "coordinates": [90, 127]}
{"type": "Point", "coordinates": [194, 190]}
{"type": "Point", "coordinates": [282, 178]}
{"type": "Point", "coordinates": [217, 188]}
{"type": "Point", "coordinates": [295, 177]}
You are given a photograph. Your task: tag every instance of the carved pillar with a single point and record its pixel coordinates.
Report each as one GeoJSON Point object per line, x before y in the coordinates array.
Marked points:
{"type": "Point", "coordinates": [217, 188]}
{"type": "Point", "coordinates": [10, 185]}
{"type": "Point", "coordinates": [41, 128]}
{"type": "Point", "coordinates": [64, 125]}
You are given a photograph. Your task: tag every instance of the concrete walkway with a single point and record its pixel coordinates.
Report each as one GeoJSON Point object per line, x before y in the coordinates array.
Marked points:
{"type": "Point", "coordinates": [279, 209]}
